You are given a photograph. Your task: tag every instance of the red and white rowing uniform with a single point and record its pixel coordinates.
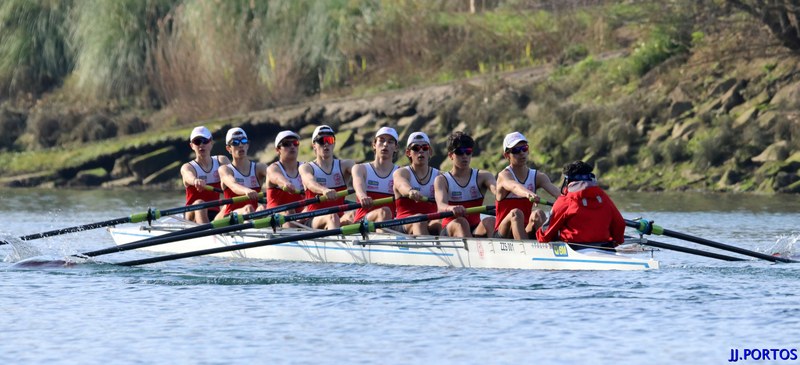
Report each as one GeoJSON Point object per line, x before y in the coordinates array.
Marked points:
{"type": "Point", "coordinates": [211, 178]}
{"type": "Point", "coordinates": [378, 187]}
{"type": "Point", "coordinates": [514, 201]}
{"type": "Point", "coordinates": [276, 196]}
{"type": "Point", "coordinates": [250, 180]}
{"type": "Point", "coordinates": [408, 207]}
{"type": "Point", "coordinates": [467, 196]}
{"type": "Point", "coordinates": [332, 180]}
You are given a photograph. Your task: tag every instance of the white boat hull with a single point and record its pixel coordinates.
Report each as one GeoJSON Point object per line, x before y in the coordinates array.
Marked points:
{"type": "Point", "coordinates": [387, 249]}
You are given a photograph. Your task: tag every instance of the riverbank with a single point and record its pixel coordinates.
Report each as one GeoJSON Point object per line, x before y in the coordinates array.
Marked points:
{"type": "Point", "coordinates": [708, 114]}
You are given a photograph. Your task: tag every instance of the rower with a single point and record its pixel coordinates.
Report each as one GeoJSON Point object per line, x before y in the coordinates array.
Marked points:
{"type": "Point", "coordinates": [200, 173]}
{"type": "Point", "coordinates": [374, 180]}
{"type": "Point", "coordinates": [516, 192]}
{"type": "Point", "coordinates": [413, 186]}
{"type": "Point", "coordinates": [583, 213]}
{"type": "Point", "coordinates": [324, 176]}
{"type": "Point", "coordinates": [242, 176]}
{"type": "Point", "coordinates": [463, 187]}
{"type": "Point", "coordinates": [284, 184]}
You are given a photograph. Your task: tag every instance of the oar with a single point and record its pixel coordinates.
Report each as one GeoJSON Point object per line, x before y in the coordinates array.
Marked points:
{"type": "Point", "coordinates": [344, 230]}
{"type": "Point", "coordinates": [692, 251]}
{"type": "Point", "coordinates": [271, 221]}
{"type": "Point", "coordinates": [211, 188]}
{"type": "Point", "coordinates": [647, 227]}
{"type": "Point", "coordinates": [237, 219]}
{"type": "Point", "coordinates": [149, 215]}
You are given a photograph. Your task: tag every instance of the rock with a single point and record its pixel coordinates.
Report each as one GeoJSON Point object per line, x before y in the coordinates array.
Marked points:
{"type": "Point", "coordinates": [679, 108]}
{"type": "Point", "coordinates": [723, 86]}
{"type": "Point", "coordinates": [363, 121]}
{"type": "Point", "coordinates": [121, 183]}
{"type": "Point", "coordinates": [32, 179]}
{"type": "Point", "coordinates": [408, 125]}
{"type": "Point", "coordinates": [777, 151]}
{"type": "Point", "coordinates": [121, 168]}
{"type": "Point", "coordinates": [686, 129]}
{"type": "Point", "coordinates": [93, 177]}
{"type": "Point", "coordinates": [788, 97]}
{"type": "Point", "coordinates": [746, 117]}
{"type": "Point", "coordinates": [792, 188]}
{"type": "Point", "coordinates": [783, 180]}
{"type": "Point", "coordinates": [169, 172]}
{"type": "Point", "coordinates": [733, 97]}
{"type": "Point", "coordinates": [146, 165]}
{"type": "Point", "coordinates": [767, 119]}
{"type": "Point", "coordinates": [400, 105]}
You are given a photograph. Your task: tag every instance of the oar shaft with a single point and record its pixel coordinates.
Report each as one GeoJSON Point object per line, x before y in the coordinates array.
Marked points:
{"type": "Point", "coordinates": [655, 229]}
{"type": "Point", "coordinates": [692, 251]}
{"type": "Point", "coordinates": [84, 227]}
{"type": "Point", "coordinates": [273, 241]}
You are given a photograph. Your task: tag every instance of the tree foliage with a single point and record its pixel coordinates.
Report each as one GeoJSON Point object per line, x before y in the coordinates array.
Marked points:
{"type": "Point", "coordinates": [782, 17]}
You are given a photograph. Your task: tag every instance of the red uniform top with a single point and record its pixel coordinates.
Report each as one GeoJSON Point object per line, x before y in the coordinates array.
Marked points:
{"type": "Point", "coordinates": [377, 187]}
{"type": "Point", "coordinates": [585, 215]}
{"type": "Point", "coordinates": [467, 196]}
{"type": "Point", "coordinates": [276, 196]}
{"type": "Point", "coordinates": [211, 178]}
{"type": "Point", "coordinates": [513, 201]}
{"type": "Point", "coordinates": [332, 180]}
{"type": "Point", "coordinates": [406, 207]}
{"type": "Point", "coordinates": [250, 180]}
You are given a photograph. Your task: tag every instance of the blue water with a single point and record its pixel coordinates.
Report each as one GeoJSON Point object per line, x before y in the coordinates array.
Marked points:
{"type": "Point", "coordinates": [221, 311]}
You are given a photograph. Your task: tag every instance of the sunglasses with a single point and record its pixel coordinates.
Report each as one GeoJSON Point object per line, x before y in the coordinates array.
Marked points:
{"type": "Point", "coordinates": [325, 140]}
{"type": "Point", "coordinates": [237, 142]}
{"type": "Point", "coordinates": [200, 141]}
{"type": "Point", "coordinates": [520, 149]}
{"type": "Point", "coordinates": [463, 151]}
{"type": "Point", "coordinates": [290, 143]}
{"type": "Point", "coordinates": [417, 148]}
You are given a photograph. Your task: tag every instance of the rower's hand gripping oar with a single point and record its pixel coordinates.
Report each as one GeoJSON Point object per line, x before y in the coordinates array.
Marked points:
{"type": "Point", "coordinates": [267, 222]}
{"type": "Point", "coordinates": [647, 227]}
{"type": "Point", "coordinates": [351, 229]}
{"type": "Point", "coordinates": [148, 216]}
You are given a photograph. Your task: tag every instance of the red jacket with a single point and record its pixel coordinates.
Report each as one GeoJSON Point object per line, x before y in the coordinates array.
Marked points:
{"type": "Point", "coordinates": [585, 215]}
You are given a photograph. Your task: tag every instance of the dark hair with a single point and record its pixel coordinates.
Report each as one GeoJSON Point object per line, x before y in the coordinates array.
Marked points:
{"type": "Point", "coordinates": [459, 139]}
{"type": "Point", "coordinates": [576, 171]}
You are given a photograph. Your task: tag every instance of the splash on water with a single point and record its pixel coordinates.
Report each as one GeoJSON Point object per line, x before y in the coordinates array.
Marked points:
{"type": "Point", "coordinates": [785, 246]}
{"type": "Point", "coordinates": [17, 249]}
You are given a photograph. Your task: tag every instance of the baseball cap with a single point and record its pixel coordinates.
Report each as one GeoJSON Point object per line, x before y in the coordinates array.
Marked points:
{"type": "Point", "coordinates": [512, 139]}
{"type": "Point", "coordinates": [417, 137]}
{"type": "Point", "coordinates": [285, 134]}
{"type": "Point", "coordinates": [388, 131]}
{"type": "Point", "coordinates": [234, 132]}
{"type": "Point", "coordinates": [323, 129]}
{"type": "Point", "coordinates": [200, 132]}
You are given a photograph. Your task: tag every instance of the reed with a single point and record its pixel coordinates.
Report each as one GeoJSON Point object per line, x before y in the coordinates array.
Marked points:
{"type": "Point", "coordinates": [34, 52]}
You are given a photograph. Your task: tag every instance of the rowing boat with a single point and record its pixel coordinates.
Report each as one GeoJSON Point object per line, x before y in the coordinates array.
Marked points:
{"type": "Point", "coordinates": [391, 249]}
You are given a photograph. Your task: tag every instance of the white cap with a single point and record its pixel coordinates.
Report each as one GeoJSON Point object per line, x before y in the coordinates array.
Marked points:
{"type": "Point", "coordinates": [417, 137]}
{"type": "Point", "coordinates": [234, 132]}
{"type": "Point", "coordinates": [387, 131]}
{"type": "Point", "coordinates": [200, 132]}
{"type": "Point", "coordinates": [323, 129]}
{"type": "Point", "coordinates": [285, 134]}
{"type": "Point", "coordinates": [512, 139]}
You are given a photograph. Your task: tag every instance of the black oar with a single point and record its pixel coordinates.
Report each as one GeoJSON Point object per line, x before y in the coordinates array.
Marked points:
{"type": "Point", "coordinates": [647, 227]}
{"type": "Point", "coordinates": [271, 221]}
{"type": "Point", "coordinates": [149, 215]}
{"type": "Point", "coordinates": [230, 220]}
{"type": "Point", "coordinates": [692, 251]}
{"type": "Point", "coordinates": [345, 230]}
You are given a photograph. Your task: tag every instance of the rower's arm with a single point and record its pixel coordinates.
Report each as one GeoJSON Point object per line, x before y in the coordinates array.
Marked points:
{"type": "Point", "coordinates": [360, 181]}
{"type": "Point", "coordinates": [506, 182]}
{"type": "Point", "coordinates": [487, 181]}
{"type": "Point", "coordinates": [543, 181]}
{"type": "Point", "coordinates": [190, 177]}
{"type": "Point", "coordinates": [402, 186]}
{"type": "Point", "coordinates": [307, 175]}
{"type": "Point", "coordinates": [275, 177]}
{"type": "Point", "coordinates": [229, 181]}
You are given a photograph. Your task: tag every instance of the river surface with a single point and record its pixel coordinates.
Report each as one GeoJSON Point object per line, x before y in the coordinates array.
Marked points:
{"type": "Point", "coordinates": [206, 310]}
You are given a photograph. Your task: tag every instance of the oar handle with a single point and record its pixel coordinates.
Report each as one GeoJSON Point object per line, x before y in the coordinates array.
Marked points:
{"type": "Point", "coordinates": [540, 201]}
{"type": "Point", "coordinates": [211, 188]}
{"type": "Point", "coordinates": [339, 194]}
{"type": "Point", "coordinates": [293, 191]}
